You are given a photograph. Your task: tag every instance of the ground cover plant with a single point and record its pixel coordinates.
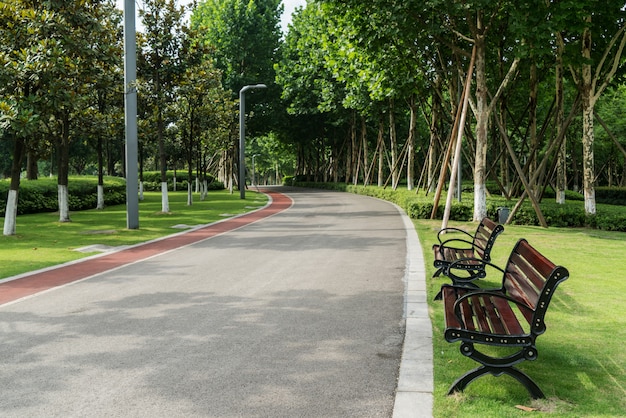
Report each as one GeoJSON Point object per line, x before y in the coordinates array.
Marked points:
{"type": "Point", "coordinates": [41, 241]}
{"type": "Point", "coordinates": [582, 362]}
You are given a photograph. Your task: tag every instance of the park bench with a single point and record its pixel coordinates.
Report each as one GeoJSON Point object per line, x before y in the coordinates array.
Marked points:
{"type": "Point", "coordinates": [512, 316]}
{"type": "Point", "coordinates": [463, 258]}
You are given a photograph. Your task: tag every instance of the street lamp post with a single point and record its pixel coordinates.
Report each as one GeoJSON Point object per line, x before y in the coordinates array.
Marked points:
{"type": "Point", "coordinates": [253, 169]}
{"type": "Point", "coordinates": [242, 136]}
{"type": "Point", "coordinates": [130, 115]}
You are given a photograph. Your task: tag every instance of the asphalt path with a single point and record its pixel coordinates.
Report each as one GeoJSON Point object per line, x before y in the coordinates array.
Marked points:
{"type": "Point", "coordinates": [300, 314]}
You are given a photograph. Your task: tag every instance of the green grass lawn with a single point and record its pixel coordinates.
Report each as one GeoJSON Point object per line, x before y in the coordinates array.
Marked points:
{"type": "Point", "coordinates": [42, 241]}
{"type": "Point", "coordinates": [582, 356]}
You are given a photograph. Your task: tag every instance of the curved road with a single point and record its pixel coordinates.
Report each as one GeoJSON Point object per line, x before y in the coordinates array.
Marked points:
{"type": "Point", "coordinates": [299, 314]}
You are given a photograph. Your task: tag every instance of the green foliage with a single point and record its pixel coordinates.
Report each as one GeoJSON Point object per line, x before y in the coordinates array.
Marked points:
{"type": "Point", "coordinates": [152, 181]}
{"type": "Point", "coordinates": [37, 196]}
{"type": "Point", "coordinates": [419, 206]}
{"type": "Point", "coordinates": [245, 36]}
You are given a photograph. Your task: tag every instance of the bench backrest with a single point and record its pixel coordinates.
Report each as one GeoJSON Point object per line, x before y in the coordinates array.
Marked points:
{"type": "Point", "coordinates": [485, 236]}
{"type": "Point", "coordinates": [530, 278]}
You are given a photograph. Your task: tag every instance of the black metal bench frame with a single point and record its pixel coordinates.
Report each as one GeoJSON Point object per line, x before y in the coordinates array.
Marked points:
{"type": "Point", "coordinates": [512, 316]}
{"type": "Point", "coordinates": [469, 254]}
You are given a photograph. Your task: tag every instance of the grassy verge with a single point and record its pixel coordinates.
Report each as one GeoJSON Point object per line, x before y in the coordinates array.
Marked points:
{"type": "Point", "coordinates": [582, 361]}
{"type": "Point", "coordinates": [42, 241]}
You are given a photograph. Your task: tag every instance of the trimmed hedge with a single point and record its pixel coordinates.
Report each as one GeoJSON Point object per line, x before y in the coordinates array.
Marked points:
{"type": "Point", "coordinates": [36, 196]}
{"type": "Point", "coordinates": [152, 181]}
{"type": "Point", "coordinates": [571, 214]}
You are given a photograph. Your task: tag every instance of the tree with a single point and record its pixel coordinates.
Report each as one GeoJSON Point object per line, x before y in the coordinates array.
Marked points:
{"type": "Point", "coordinates": [46, 65]}
{"type": "Point", "coordinates": [159, 69]}
{"type": "Point", "coordinates": [246, 38]}
{"type": "Point", "coordinates": [598, 31]}
{"type": "Point", "coordinates": [201, 101]}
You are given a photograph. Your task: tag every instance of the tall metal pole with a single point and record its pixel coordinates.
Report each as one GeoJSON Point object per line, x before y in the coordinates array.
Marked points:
{"type": "Point", "coordinates": [242, 142]}
{"type": "Point", "coordinates": [130, 115]}
{"type": "Point", "coordinates": [242, 136]}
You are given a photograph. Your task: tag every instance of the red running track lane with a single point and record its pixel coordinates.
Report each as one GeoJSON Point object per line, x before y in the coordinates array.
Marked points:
{"type": "Point", "coordinates": [44, 280]}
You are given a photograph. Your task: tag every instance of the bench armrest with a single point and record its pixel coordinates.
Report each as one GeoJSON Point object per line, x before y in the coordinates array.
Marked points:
{"type": "Point", "coordinates": [457, 244]}
{"type": "Point", "coordinates": [451, 229]}
{"type": "Point", "coordinates": [464, 263]}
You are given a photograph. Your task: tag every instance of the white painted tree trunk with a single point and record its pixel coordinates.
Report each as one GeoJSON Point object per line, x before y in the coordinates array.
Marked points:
{"type": "Point", "coordinates": [10, 216]}
{"type": "Point", "coordinates": [64, 203]}
{"type": "Point", "coordinates": [588, 101]}
{"type": "Point", "coordinates": [189, 194]}
{"type": "Point", "coordinates": [588, 159]}
{"type": "Point", "coordinates": [165, 203]}
{"type": "Point", "coordinates": [141, 190]}
{"type": "Point", "coordinates": [561, 176]}
{"type": "Point", "coordinates": [482, 118]}
{"type": "Point", "coordinates": [100, 204]}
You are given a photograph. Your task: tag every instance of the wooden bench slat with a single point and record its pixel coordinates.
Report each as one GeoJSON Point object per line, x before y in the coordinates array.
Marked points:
{"type": "Point", "coordinates": [450, 317]}
{"type": "Point", "coordinates": [496, 317]}
{"type": "Point", "coordinates": [509, 320]}
{"type": "Point", "coordinates": [526, 269]}
{"type": "Point", "coordinates": [479, 314]}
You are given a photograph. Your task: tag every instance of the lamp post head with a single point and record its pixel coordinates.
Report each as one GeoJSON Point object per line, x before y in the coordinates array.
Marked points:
{"type": "Point", "coordinates": [252, 86]}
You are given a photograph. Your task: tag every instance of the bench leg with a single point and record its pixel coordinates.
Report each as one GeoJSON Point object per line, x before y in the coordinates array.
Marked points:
{"type": "Point", "coordinates": [467, 378]}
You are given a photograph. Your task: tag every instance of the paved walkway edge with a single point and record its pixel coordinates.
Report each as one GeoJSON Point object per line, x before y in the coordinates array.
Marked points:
{"type": "Point", "coordinates": [414, 394]}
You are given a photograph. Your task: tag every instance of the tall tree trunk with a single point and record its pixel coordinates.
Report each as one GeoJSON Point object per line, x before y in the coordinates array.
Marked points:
{"type": "Point", "coordinates": [532, 114]}
{"type": "Point", "coordinates": [64, 166]}
{"type": "Point", "coordinates": [561, 172]}
{"type": "Point", "coordinates": [365, 148]}
{"type": "Point", "coordinates": [381, 151]}
{"type": "Point", "coordinates": [410, 181]}
{"type": "Point", "coordinates": [10, 215]}
{"type": "Point", "coordinates": [190, 147]}
{"type": "Point", "coordinates": [482, 118]}
{"type": "Point", "coordinates": [100, 198]}
{"type": "Point", "coordinates": [393, 144]}
{"type": "Point", "coordinates": [588, 134]}
{"type": "Point", "coordinates": [32, 171]}
{"type": "Point", "coordinates": [353, 153]}
{"type": "Point", "coordinates": [434, 136]}
{"type": "Point", "coordinates": [165, 205]}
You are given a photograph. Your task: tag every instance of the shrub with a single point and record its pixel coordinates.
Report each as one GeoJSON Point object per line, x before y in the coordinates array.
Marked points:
{"type": "Point", "coordinates": [570, 214]}
{"type": "Point", "coordinates": [36, 196]}
{"type": "Point", "coordinates": [152, 181]}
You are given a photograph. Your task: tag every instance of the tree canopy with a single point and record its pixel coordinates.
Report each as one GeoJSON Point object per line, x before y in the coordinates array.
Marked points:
{"type": "Point", "coordinates": [359, 92]}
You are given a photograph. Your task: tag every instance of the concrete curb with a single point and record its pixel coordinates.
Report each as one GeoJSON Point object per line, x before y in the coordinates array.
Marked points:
{"type": "Point", "coordinates": [414, 394]}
